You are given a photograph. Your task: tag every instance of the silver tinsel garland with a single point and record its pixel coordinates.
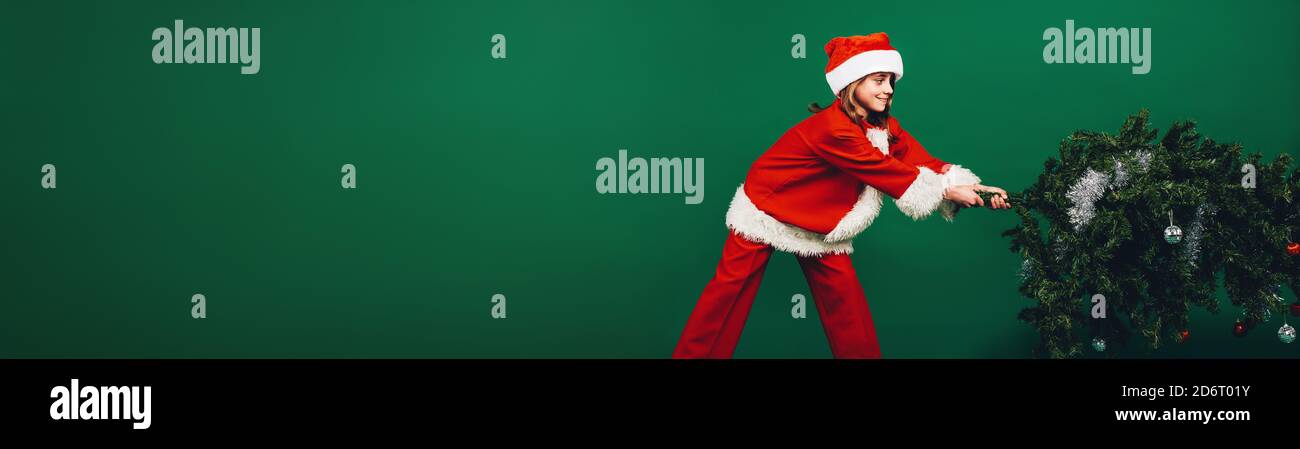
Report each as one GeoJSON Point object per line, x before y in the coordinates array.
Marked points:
{"type": "Point", "coordinates": [1143, 159]}
{"type": "Point", "coordinates": [1084, 194]}
{"type": "Point", "coordinates": [1058, 249]}
{"type": "Point", "coordinates": [1120, 179]}
{"type": "Point", "coordinates": [1197, 231]}
{"type": "Point", "coordinates": [1093, 184]}
{"type": "Point", "coordinates": [1026, 269]}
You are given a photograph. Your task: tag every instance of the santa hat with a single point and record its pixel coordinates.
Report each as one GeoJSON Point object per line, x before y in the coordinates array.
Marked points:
{"type": "Point", "coordinates": [854, 57]}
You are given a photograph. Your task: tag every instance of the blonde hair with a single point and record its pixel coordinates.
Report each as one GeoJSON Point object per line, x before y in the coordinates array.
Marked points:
{"type": "Point", "coordinates": [856, 112]}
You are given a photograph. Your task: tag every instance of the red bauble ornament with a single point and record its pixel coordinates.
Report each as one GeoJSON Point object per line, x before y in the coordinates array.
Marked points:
{"type": "Point", "coordinates": [1183, 336]}
{"type": "Point", "coordinates": [1293, 248]}
{"type": "Point", "coordinates": [1295, 309]}
{"type": "Point", "coordinates": [1239, 329]}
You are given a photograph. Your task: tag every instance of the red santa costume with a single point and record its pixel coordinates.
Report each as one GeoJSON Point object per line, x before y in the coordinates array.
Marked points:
{"type": "Point", "coordinates": [818, 186]}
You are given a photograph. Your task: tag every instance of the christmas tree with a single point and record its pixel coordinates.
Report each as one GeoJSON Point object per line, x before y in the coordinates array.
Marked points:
{"type": "Point", "coordinates": [1124, 234]}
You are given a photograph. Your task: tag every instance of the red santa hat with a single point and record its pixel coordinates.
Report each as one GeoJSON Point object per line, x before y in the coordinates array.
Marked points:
{"type": "Point", "coordinates": [854, 57]}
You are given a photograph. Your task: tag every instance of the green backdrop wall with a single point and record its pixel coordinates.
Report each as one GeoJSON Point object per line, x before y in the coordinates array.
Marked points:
{"type": "Point", "coordinates": [476, 175]}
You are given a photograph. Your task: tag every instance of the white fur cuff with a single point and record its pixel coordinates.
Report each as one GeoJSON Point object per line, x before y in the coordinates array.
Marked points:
{"type": "Point", "coordinates": [955, 176]}
{"type": "Point", "coordinates": [923, 196]}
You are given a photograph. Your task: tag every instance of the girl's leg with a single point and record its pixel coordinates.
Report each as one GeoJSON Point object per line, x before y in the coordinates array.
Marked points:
{"type": "Point", "coordinates": [842, 306]}
{"type": "Point", "coordinates": [714, 326]}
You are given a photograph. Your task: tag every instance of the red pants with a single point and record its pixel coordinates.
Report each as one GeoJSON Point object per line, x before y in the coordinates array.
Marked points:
{"type": "Point", "coordinates": [714, 326]}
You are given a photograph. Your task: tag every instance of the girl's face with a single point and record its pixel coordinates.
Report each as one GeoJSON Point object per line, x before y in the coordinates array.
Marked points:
{"type": "Point", "coordinates": [875, 92]}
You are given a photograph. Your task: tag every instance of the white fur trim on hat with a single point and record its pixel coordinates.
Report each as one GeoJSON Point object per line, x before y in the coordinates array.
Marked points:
{"type": "Point", "coordinates": [863, 64]}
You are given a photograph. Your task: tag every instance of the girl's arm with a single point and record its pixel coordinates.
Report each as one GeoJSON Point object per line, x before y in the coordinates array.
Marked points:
{"type": "Point", "coordinates": [917, 190]}
{"type": "Point", "coordinates": [910, 151]}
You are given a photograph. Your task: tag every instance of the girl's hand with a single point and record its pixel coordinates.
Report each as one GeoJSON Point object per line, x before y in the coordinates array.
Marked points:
{"type": "Point", "coordinates": [964, 196]}
{"type": "Point", "coordinates": [999, 200]}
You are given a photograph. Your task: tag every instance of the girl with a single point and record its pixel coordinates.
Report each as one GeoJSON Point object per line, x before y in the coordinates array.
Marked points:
{"type": "Point", "coordinates": [815, 189]}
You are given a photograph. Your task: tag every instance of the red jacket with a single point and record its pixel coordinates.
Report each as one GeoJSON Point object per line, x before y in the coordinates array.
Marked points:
{"type": "Point", "coordinates": [820, 184]}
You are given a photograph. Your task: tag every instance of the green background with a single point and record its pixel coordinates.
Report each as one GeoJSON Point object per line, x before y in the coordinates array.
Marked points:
{"type": "Point", "coordinates": [476, 176]}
